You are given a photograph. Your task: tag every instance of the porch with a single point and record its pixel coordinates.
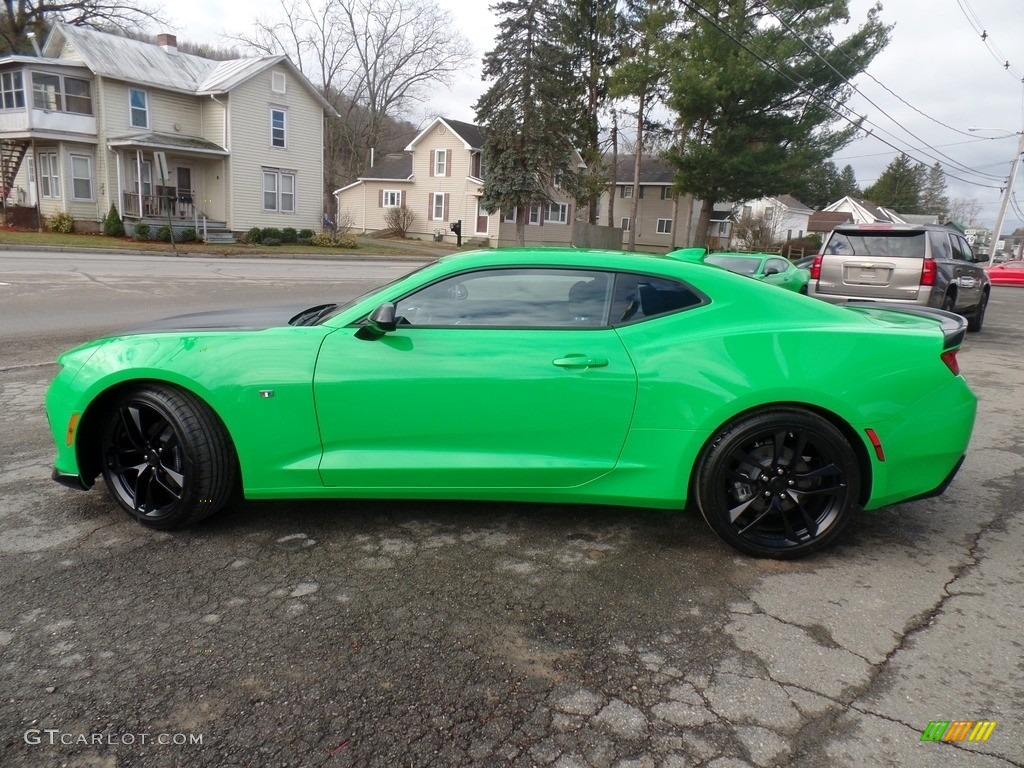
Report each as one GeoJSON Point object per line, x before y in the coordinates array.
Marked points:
{"type": "Point", "coordinates": [175, 203]}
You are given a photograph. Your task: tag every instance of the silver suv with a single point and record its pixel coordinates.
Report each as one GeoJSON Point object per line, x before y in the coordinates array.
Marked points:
{"type": "Point", "coordinates": [923, 264]}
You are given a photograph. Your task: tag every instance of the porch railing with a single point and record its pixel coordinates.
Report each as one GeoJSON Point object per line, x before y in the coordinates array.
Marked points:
{"type": "Point", "coordinates": [178, 204]}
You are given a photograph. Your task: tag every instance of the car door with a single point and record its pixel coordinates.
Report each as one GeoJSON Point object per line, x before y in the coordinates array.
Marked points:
{"type": "Point", "coordinates": [778, 273]}
{"type": "Point", "coordinates": [967, 274]}
{"type": "Point", "coordinates": [496, 378]}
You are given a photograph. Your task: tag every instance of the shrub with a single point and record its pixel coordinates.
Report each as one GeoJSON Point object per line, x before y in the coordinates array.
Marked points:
{"type": "Point", "coordinates": [271, 240]}
{"type": "Point", "coordinates": [322, 240]}
{"type": "Point", "coordinates": [163, 234]}
{"type": "Point", "coordinates": [289, 235]}
{"type": "Point", "coordinates": [399, 221]}
{"type": "Point", "coordinates": [62, 222]}
{"type": "Point", "coordinates": [348, 240]}
{"type": "Point", "coordinates": [306, 234]}
{"type": "Point", "coordinates": [272, 233]}
{"type": "Point", "coordinates": [142, 232]}
{"type": "Point", "coordinates": [253, 235]}
{"type": "Point", "coordinates": [112, 225]}
{"type": "Point", "coordinates": [188, 235]}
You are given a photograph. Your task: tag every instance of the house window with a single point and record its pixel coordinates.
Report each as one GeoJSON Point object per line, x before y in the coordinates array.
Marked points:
{"type": "Point", "coordinates": [391, 198]}
{"type": "Point", "coordinates": [49, 175]}
{"type": "Point", "coordinates": [437, 206]}
{"type": "Point", "coordinates": [626, 192]}
{"type": "Point", "coordinates": [664, 226]}
{"type": "Point", "coordinates": [478, 169]}
{"type": "Point", "coordinates": [138, 105]}
{"type": "Point", "coordinates": [278, 190]}
{"type": "Point", "coordinates": [624, 225]}
{"type": "Point", "coordinates": [277, 128]}
{"type": "Point", "coordinates": [535, 214]}
{"type": "Point", "coordinates": [510, 216]}
{"type": "Point", "coordinates": [666, 193]}
{"type": "Point", "coordinates": [558, 212]}
{"type": "Point", "coordinates": [78, 95]}
{"type": "Point", "coordinates": [81, 177]}
{"type": "Point", "coordinates": [559, 179]}
{"type": "Point", "coordinates": [46, 92]}
{"type": "Point", "coordinates": [277, 82]}
{"type": "Point", "coordinates": [440, 162]}
{"type": "Point", "coordinates": [12, 89]}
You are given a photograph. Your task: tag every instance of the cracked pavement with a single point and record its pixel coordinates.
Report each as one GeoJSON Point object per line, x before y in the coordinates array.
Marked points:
{"type": "Point", "coordinates": [454, 634]}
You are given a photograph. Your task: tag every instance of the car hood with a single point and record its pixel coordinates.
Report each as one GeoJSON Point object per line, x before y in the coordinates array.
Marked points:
{"type": "Point", "coordinates": [243, 319]}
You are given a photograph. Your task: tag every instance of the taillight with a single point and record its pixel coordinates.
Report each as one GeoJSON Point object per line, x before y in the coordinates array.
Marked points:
{"type": "Point", "coordinates": [928, 272]}
{"type": "Point", "coordinates": [816, 267]}
{"type": "Point", "coordinates": [949, 358]}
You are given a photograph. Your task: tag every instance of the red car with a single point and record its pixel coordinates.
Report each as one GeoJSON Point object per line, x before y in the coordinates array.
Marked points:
{"type": "Point", "coordinates": [1007, 273]}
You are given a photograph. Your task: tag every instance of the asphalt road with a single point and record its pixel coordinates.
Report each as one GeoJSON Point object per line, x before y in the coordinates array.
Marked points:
{"type": "Point", "coordinates": [394, 634]}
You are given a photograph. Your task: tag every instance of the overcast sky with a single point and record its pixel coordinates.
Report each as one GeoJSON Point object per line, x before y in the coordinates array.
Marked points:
{"type": "Point", "coordinates": [936, 70]}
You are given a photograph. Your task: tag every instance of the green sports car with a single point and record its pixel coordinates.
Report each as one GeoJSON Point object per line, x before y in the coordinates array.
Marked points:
{"type": "Point", "coordinates": [768, 267]}
{"type": "Point", "coordinates": [531, 375]}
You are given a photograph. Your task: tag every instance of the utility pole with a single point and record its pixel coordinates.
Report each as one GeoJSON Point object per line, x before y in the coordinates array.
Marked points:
{"type": "Point", "coordinates": [1008, 191]}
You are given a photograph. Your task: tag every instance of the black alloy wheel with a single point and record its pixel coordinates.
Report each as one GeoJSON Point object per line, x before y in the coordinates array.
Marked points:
{"type": "Point", "coordinates": [780, 483]}
{"type": "Point", "coordinates": [166, 457]}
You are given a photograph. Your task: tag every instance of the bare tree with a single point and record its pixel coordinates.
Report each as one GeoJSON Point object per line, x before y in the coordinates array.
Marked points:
{"type": "Point", "coordinates": [964, 210]}
{"type": "Point", "coordinates": [372, 59]}
{"type": "Point", "coordinates": [761, 231]}
{"type": "Point", "coordinates": [19, 17]}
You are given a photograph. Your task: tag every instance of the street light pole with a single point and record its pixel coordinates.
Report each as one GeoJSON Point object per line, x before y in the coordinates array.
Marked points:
{"type": "Point", "coordinates": [1009, 191]}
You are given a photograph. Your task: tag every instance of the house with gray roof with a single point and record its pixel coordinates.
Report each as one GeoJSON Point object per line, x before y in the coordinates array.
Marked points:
{"type": "Point", "coordinates": [439, 180]}
{"type": "Point", "coordinates": [100, 120]}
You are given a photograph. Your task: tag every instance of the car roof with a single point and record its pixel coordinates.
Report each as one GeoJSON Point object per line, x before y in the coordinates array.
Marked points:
{"type": "Point", "coordinates": [892, 227]}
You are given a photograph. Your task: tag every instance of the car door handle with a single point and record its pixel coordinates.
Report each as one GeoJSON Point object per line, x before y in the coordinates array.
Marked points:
{"type": "Point", "coordinates": [580, 361]}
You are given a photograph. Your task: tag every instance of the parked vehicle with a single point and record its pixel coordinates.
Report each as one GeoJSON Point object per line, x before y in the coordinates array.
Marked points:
{"type": "Point", "coordinates": [927, 265]}
{"type": "Point", "coordinates": [767, 267]}
{"type": "Point", "coordinates": [530, 375]}
{"type": "Point", "coordinates": [1007, 273]}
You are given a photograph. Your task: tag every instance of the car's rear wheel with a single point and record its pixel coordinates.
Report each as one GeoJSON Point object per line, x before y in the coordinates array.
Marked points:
{"type": "Point", "coordinates": [977, 320]}
{"type": "Point", "coordinates": [167, 459]}
{"type": "Point", "coordinates": [949, 302]}
{"type": "Point", "coordinates": [781, 483]}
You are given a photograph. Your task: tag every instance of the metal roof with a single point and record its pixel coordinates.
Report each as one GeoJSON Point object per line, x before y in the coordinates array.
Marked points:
{"type": "Point", "coordinates": [169, 141]}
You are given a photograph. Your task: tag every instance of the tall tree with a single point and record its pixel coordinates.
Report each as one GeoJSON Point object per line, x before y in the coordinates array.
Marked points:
{"type": "Point", "coordinates": [899, 186]}
{"type": "Point", "coordinates": [527, 112]}
{"type": "Point", "coordinates": [640, 77]}
{"type": "Point", "coordinates": [848, 186]}
{"type": "Point", "coordinates": [592, 30]}
{"type": "Point", "coordinates": [19, 17]}
{"type": "Point", "coordinates": [759, 90]}
{"type": "Point", "coordinates": [933, 192]}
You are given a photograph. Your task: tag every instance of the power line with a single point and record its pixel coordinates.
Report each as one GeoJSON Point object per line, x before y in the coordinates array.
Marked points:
{"type": "Point", "coordinates": [703, 14]}
{"type": "Point", "coordinates": [986, 38]}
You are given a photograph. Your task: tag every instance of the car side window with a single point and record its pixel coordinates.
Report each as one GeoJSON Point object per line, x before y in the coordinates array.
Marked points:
{"type": "Point", "coordinates": [961, 249]}
{"type": "Point", "coordinates": [776, 266]}
{"type": "Point", "coordinates": [512, 298]}
{"type": "Point", "coordinates": [940, 245]}
{"type": "Point", "coordinates": [638, 297]}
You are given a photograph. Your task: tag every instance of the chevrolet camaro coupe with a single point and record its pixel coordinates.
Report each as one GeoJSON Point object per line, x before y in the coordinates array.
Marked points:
{"type": "Point", "coordinates": [548, 375]}
{"type": "Point", "coordinates": [771, 268]}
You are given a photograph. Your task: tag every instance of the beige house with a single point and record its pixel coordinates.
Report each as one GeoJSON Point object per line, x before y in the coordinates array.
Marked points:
{"type": "Point", "coordinates": [99, 119]}
{"type": "Point", "coordinates": [439, 178]}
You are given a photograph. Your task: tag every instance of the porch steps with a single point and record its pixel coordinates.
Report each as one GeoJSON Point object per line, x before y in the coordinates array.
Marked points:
{"type": "Point", "coordinates": [219, 236]}
{"type": "Point", "coordinates": [11, 155]}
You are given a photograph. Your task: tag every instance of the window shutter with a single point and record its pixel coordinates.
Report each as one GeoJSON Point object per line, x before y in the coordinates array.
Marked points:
{"type": "Point", "coordinates": [380, 199]}
{"type": "Point", "coordinates": [433, 161]}
{"type": "Point", "coordinates": [543, 215]}
{"type": "Point", "coordinates": [401, 198]}
{"type": "Point", "coordinates": [430, 206]}
{"type": "Point", "coordinates": [445, 217]}
{"type": "Point", "coordinates": [568, 213]}
{"type": "Point", "coordinates": [448, 167]}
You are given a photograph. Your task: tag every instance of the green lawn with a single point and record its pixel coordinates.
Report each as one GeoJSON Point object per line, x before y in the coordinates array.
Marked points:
{"type": "Point", "coordinates": [366, 246]}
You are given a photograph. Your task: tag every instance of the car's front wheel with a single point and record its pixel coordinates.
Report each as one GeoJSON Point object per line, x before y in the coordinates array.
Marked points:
{"type": "Point", "coordinates": [977, 320]}
{"type": "Point", "coordinates": [780, 483]}
{"type": "Point", "coordinates": [167, 459]}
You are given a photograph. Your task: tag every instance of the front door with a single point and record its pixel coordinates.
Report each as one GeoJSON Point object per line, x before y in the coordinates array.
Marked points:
{"type": "Point", "coordinates": [493, 380]}
{"type": "Point", "coordinates": [481, 219]}
{"type": "Point", "coordinates": [183, 178]}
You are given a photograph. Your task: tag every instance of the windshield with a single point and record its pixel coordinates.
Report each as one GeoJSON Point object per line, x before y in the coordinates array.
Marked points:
{"type": "Point", "coordinates": [317, 315]}
{"type": "Point", "coordinates": [737, 264]}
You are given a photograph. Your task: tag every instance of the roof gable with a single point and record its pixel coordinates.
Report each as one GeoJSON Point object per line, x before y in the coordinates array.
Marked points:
{"type": "Point", "coordinates": [471, 136]}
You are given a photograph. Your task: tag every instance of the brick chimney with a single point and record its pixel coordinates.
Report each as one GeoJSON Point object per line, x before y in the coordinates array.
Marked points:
{"type": "Point", "coordinates": [168, 42]}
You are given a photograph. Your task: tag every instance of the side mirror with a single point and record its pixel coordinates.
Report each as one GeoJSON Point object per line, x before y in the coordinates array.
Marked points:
{"type": "Point", "coordinates": [381, 321]}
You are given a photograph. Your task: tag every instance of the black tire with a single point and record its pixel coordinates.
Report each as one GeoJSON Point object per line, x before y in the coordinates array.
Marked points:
{"type": "Point", "coordinates": [167, 459]}
{"type": "Point", "coordinates": [780, 483]}
{"type": "Point", "coordinates": [949, 302]}
{"type": "Point", "coordinates": [977, 320]}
